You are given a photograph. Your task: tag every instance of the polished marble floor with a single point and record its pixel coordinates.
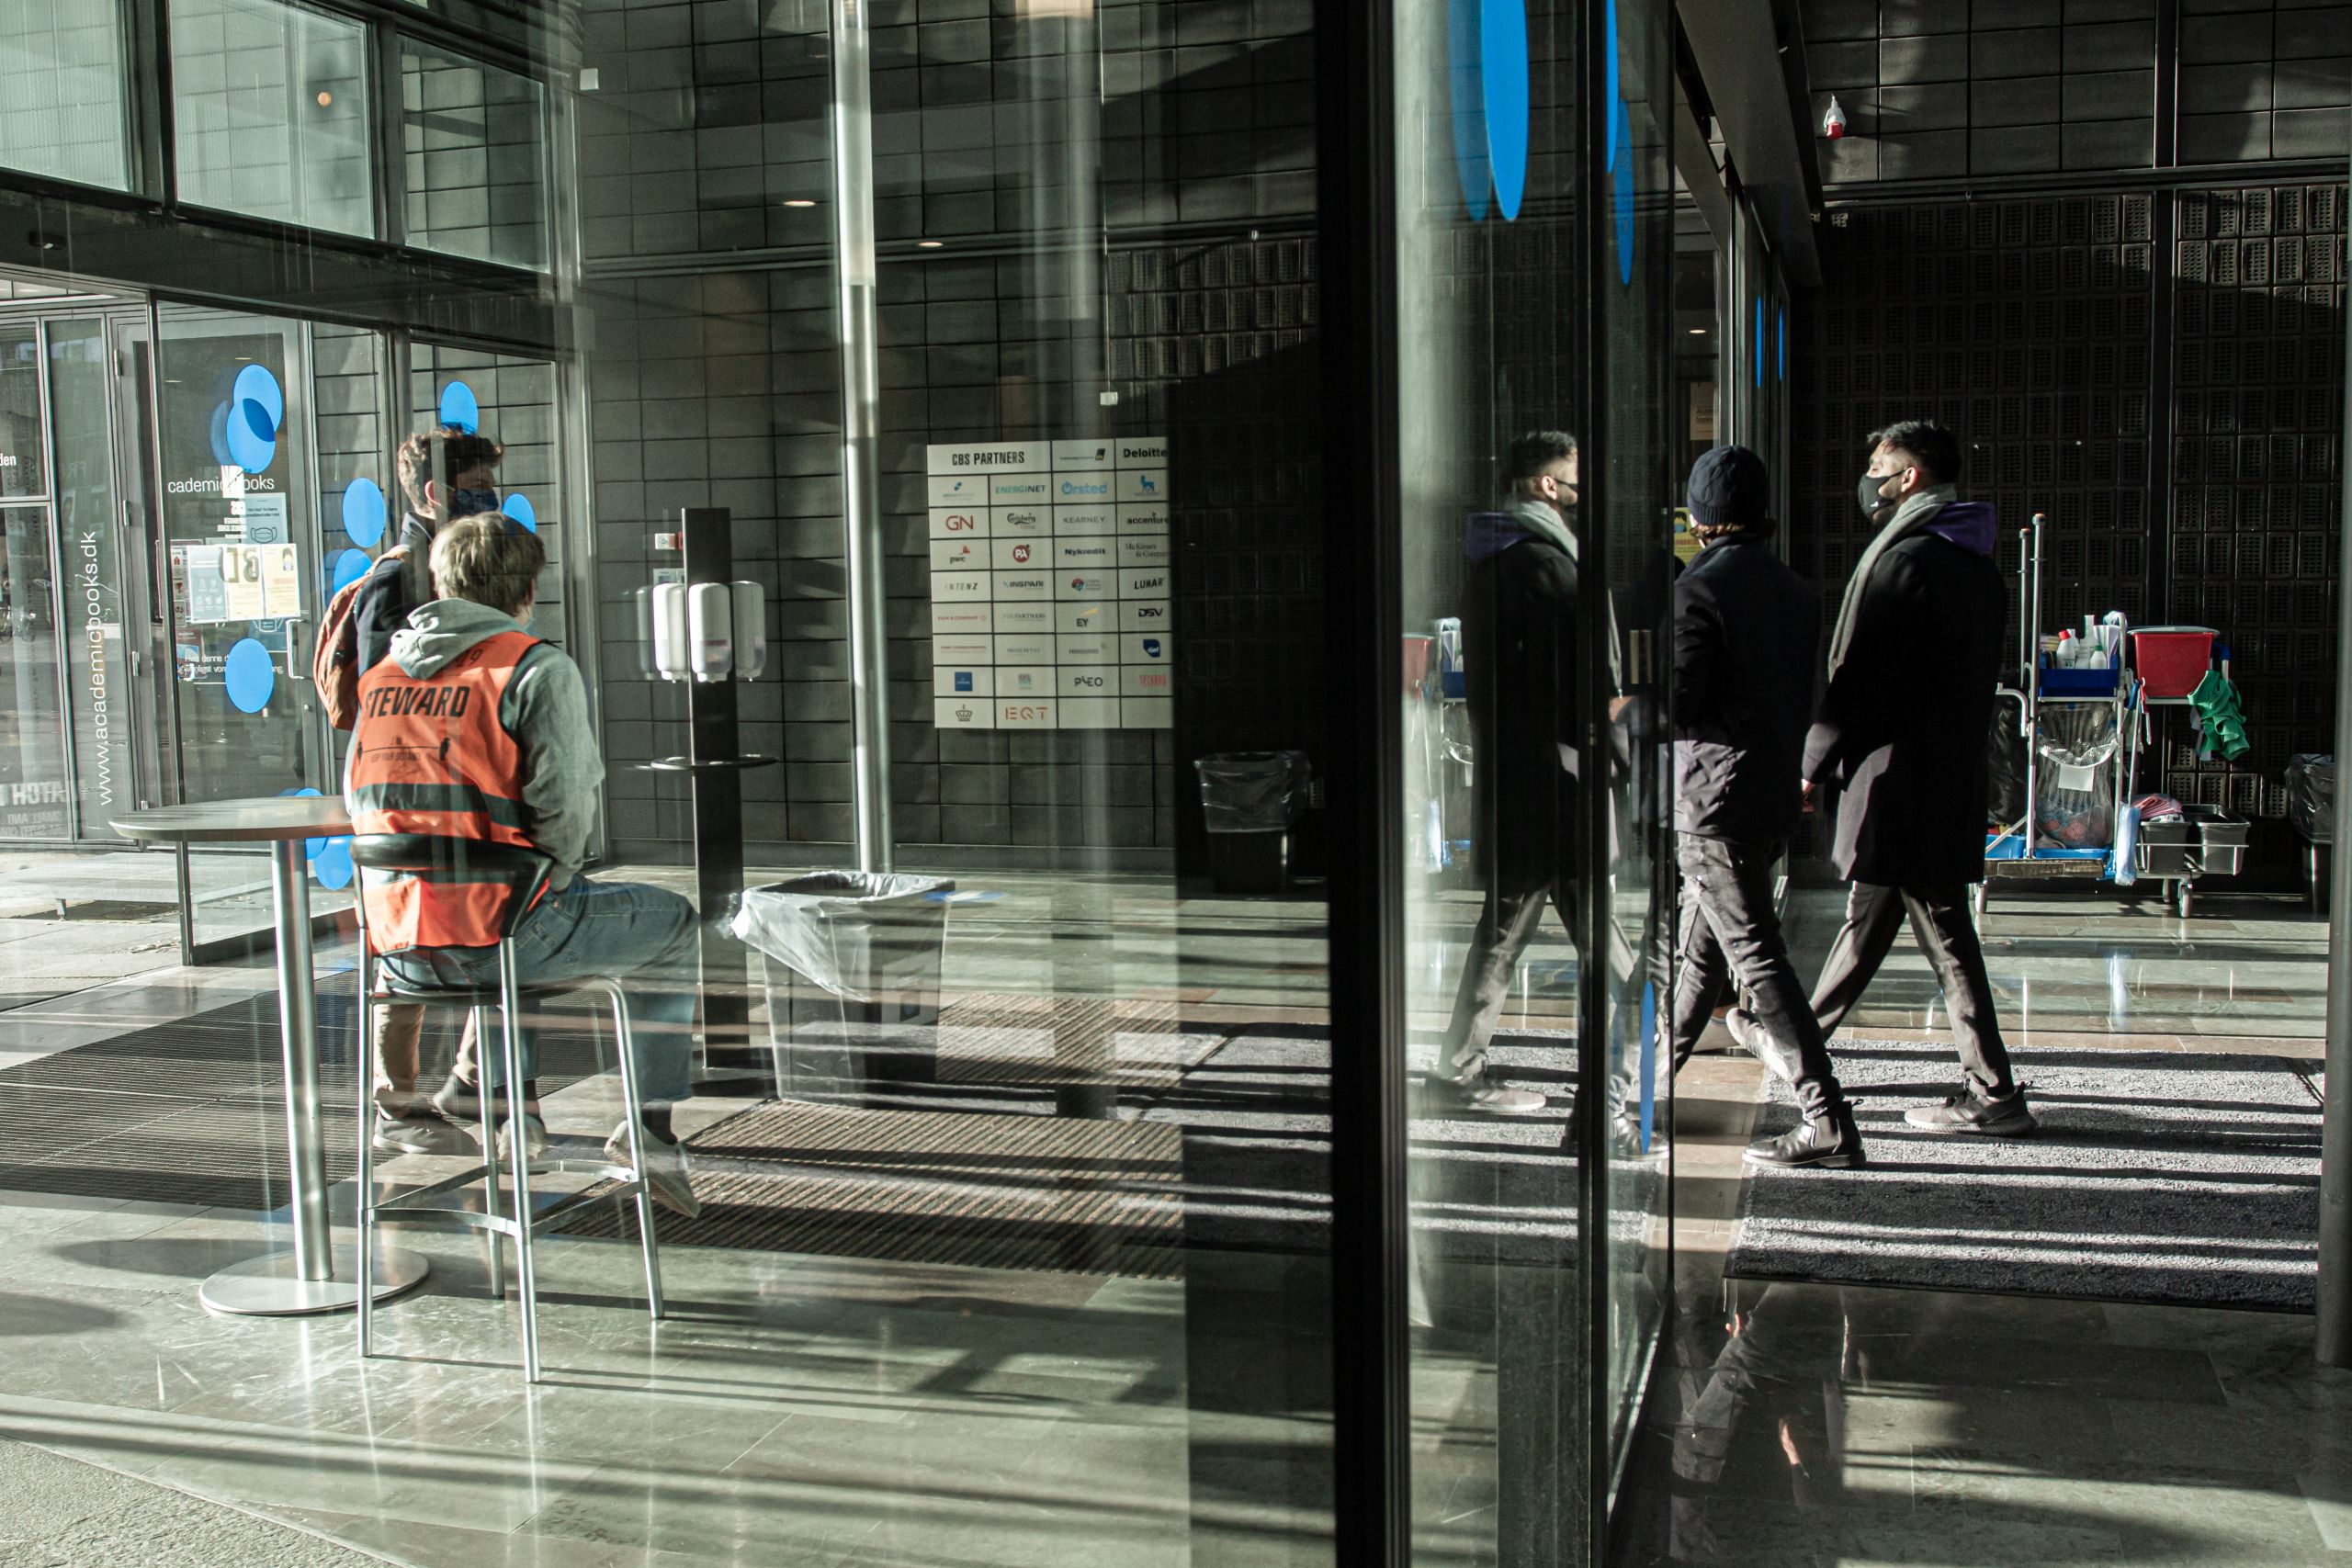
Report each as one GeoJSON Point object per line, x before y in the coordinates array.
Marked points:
{"type": "Point", "coordinates": [805, 1410]}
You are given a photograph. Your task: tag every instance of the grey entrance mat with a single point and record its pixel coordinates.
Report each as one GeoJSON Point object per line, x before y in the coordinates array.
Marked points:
{"type": "Point", "coordinates": [2176, 1177]}
{"type": "Point", "coordinates": [62, 1513]}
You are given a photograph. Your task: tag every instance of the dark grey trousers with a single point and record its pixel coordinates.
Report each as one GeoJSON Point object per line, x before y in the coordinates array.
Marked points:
{"type": "Point", "coordinates": [1941, 926]}
{"type": "Point", "coordinates": [1732, 933]}
{"type": "Point", "coordinates": [1506, 925]}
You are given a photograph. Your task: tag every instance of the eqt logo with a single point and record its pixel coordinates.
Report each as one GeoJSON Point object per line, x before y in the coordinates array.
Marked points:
{"type": "Point", "coordinates": [1485, 49]}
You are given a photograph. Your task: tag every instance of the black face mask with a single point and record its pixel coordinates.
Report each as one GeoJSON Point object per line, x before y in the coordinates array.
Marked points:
{"type": "Point", "coordinates": [1868, 493]}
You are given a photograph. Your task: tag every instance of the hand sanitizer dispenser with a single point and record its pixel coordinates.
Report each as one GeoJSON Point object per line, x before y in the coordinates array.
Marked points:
{"type": "Point", "coordinates": [670, 630]}
{"type": "Point", "coordinates": [751, 630]}
{"type": "Point", "coordinates": [710, 643]}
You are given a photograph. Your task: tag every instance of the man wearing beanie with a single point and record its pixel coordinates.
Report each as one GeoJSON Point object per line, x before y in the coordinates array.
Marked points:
{"type": "Point", "coordinates": [1746, 630]}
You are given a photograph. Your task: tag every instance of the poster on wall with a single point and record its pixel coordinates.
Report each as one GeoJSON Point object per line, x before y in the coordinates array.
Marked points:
{"type": "Point", "coordinates": [1049, 585]}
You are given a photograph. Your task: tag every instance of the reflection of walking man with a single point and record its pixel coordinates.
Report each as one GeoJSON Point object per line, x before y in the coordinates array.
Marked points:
{"type": "Point", "coordinates": [1519, 628]}
{"type": "Point", "coordinates": [1746, 628]}
{"type": "Point", "coordinates": [1900, 742]}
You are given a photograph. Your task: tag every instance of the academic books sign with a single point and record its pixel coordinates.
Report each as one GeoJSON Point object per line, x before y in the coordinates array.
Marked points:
{"type": "Point", "coordinates": [1049, 572]}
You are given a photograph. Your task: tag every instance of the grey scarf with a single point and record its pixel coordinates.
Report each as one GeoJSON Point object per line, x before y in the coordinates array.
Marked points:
{"type": "Point", "coordinates": [1541, 519]}
{"type": "Point", "coordinates": [1909, 519]}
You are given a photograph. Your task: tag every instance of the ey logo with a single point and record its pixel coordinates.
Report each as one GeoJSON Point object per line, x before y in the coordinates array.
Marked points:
{"type": "Point", "coordinates": [1487, 61]}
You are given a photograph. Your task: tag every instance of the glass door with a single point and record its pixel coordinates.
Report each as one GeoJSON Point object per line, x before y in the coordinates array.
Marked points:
{"type": "Point", "coordinates": [1640, 432]}
{"type": "Point", "coordinates": [35, 798]}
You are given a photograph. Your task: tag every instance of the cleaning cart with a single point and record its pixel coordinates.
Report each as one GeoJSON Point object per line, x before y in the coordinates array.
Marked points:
{"type": "Point", "coordinates": [2080, 726]}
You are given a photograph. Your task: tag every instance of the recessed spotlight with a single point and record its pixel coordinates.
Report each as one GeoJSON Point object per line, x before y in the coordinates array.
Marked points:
{"type": "Point", "coordinates": [325, 99]}
{"type": "Point", "coordinates": [1698, 332]}
{"type": "Point", "coordinates": [801, 201]}
{"type": "Point", "coordinates": [929, 244]}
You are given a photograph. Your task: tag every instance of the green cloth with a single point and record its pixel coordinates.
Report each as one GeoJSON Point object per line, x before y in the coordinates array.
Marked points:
{"type": "Point", "coordinates": [2222, 714]}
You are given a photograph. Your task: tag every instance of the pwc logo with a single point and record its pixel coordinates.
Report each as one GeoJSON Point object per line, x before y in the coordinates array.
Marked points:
{"type": "Point", "coordinates": [1486, 59]}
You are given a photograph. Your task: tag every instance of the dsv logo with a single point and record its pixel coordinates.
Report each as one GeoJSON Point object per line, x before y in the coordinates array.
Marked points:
{"type": "Point", "coordinates": [1486, 59]}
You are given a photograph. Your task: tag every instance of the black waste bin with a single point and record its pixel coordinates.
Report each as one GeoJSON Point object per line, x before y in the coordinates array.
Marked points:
{"type": "Point", "coordinates": [851, 963]}
{"type": "Point", "coordinates": [1250, 802]}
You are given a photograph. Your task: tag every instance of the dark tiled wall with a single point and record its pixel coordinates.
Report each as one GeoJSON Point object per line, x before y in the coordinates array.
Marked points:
{"type": "Point", "coordinates": [713, 378]}
{"type": "Point", "coordinates": [1942, 88]}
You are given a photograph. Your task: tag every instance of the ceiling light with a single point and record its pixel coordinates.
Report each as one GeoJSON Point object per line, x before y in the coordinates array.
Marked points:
{"type": "Point", "coordinates": [801, 201]}
{"type": "Point", "coordinates": [929, 244]}
{"type": "Point", "coordinates": [1698, 332]}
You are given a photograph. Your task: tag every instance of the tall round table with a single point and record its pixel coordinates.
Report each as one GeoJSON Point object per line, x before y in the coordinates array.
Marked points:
{"type": "Point", "coordinates": [317, 1276]}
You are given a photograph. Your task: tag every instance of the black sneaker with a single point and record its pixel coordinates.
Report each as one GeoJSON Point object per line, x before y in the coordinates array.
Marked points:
{"type": "Point", "coordinates": [418, 1130]}
{"type": "Point", "coordinates": [1970, 1111]}
{"type": "Point", "coordinates": [1481, 1096]}
{"type": "Point", "coordinates": [1830, 1140]}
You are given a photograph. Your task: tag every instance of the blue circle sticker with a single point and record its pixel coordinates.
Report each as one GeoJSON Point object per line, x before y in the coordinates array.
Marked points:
{"type": "Point", "coordinates": [1503, 73]}
{"type": "Point", "coordinates": [350, 566]}
{"type": "Point", "coordinates": [460, 408]}
{"type": "Point", "coordinates": [331, 864]}
{"type": "Point", "coordinates": [364, 511]}
{"type": "Point", "coordinates": [1621, 188]}
{"type": "Point", "coordinates": [518, 506]}
{"type": "Point", "coordinates": [250, 676]}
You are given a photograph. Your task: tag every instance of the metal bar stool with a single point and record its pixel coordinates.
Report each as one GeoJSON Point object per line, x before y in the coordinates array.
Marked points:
{"type": "Point", "coordinates": [524, 872]}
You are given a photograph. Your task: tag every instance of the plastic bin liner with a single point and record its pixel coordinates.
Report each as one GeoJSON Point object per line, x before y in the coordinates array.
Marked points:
{"type": "Point", "coordinates": [1252, 792]}
{"type": "Point", "coordinates": [2311, 795]}
{"type": "Point", "coordinates": [2074, 775]}
{"type": "Point", "coordinates": [824, 927]}
{"type": "Point", "coordinates": [2005, 767]}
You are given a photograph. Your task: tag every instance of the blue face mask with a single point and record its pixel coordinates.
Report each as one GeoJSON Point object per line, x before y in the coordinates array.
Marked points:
{"type": "Point", "coordinates": [471, 503]}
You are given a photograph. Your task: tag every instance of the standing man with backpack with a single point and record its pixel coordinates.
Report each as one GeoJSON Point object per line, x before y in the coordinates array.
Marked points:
{"type": "Point", "coordinates": [444, 474]}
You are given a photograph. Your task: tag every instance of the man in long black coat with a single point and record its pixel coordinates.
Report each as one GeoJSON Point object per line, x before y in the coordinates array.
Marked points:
{"type": "Point", "coordinates": [1519, 635]}
{"type": "Point", "coordinates": [1899, 747]}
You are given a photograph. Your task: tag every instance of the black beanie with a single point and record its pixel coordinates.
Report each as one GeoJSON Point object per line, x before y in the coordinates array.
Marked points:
{"type": "Point", "coordinates": [1729, 489]}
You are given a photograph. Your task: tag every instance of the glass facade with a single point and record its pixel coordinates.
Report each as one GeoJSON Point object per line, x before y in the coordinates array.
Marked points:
{"type": "Point", "coordinates": [65, 111]}
{"type": "Point", "coordinates": [988, 350]}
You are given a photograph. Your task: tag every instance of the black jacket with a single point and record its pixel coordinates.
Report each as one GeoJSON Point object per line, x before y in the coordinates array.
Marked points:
{"type": "Point", "coordinates": [390, 590]}
{"type": "Point", "coordinates": [1901, 734]}
{"type": "Point", "coordinates": [1746, 631]}
{"type": "Point", "coordinates": [1519, 641]}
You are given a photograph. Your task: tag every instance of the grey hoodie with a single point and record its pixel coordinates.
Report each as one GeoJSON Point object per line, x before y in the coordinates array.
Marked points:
{"type": "Point", "coordinates": [545, 709]}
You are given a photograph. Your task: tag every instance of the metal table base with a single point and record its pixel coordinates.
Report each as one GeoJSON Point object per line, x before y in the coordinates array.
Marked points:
{"type": "Point", "coordinates": [273, 1285]}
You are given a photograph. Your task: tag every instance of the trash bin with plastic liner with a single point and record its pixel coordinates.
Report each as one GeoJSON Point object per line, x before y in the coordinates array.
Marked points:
{"type": "Point", "coordinates": [1249, 801]}
{"type": "Point", "coordinates": [850, 962]}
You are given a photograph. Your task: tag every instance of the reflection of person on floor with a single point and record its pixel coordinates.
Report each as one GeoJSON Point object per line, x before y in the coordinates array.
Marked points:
{"type": "Point", "coordinates": [1518, 633]}
{"type": "Point", "coordinates": [1746, 629]}
{"type": "Point", "coordinates": [443, 474]}
{"type": "Point", "coordinates": [1899, 746]}
{"type": "Point", "coordinates": [474, 729]}
{"type": "Point", "coordinates": [1772, 1402]}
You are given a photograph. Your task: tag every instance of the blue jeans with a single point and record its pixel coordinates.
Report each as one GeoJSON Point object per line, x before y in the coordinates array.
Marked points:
{"type": "Point", "coordinates": [621, 929]}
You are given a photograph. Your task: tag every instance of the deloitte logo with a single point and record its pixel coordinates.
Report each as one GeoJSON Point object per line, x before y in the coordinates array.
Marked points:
{"type": "Point", "coordinates": [1486, 47]}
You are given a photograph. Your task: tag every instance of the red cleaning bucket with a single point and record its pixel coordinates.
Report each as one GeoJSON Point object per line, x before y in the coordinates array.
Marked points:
{"type": "Point", "coordinates": [2172, 660]}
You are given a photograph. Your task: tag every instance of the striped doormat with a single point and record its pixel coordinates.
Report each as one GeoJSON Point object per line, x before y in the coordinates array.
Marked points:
{"type": "Point", "coordinates": [1134, 1042]}
{"type": "Point", "coordinates": [1043, 1193]}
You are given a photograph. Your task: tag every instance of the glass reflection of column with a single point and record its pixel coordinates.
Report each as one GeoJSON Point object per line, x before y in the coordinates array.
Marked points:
{"type": "Point", "coordinates": [861, 432]}
{"type": "Point", "coordinates": [1093, 1002]}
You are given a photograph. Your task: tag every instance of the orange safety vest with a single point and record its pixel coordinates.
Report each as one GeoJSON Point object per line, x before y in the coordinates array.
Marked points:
{"type": "Point", "coordinates": [430, 756]}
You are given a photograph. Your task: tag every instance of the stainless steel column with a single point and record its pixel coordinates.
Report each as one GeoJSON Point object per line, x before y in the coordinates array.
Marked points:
{"type": "Point", "coordinates": [2335, 1339]}
{"type": "Point", "coordinates": [297, 1027]}
{"type": "Point", "coordinates": [869, 673]}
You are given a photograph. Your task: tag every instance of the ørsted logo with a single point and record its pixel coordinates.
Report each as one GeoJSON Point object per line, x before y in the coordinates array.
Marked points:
{"type": "Point", "coordinates": [1085, 487]}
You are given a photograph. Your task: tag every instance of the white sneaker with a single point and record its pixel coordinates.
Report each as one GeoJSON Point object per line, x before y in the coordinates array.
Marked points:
{"type": "Point", "coordinates": [666, 1170]}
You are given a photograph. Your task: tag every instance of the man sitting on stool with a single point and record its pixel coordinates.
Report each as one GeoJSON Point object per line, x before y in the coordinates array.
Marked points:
{"type": "Point", "coordinates": [473, 729]}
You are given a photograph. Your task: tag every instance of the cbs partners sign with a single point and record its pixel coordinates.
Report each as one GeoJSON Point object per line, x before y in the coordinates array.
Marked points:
{"type": "Point", "coordinates": [1049, 573]}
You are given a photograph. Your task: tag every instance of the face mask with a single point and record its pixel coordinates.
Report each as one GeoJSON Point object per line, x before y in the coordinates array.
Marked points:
{"type": "Point", "coordinates": [471, 502]}
{"type": "Point", "coordinates": [1867, 491]}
